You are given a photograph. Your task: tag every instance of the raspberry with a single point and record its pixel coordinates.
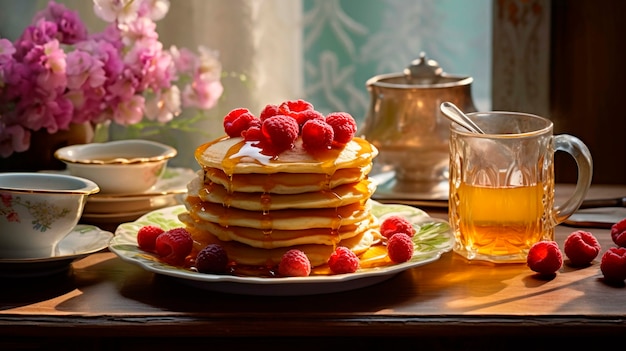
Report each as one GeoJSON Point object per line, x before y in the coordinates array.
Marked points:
{"type": "Point", "coordinates": [581, 248]}
{"type": "Point", "coordinates": [544, 257]}
{"type": "Point", "coordinates": [396, 224]}
{"type": "Point", "coordinates": [174, 245]}
{"type": "Point", "coordinates": [343, 125]}
{"type": "Point", "coordinates": [618, 233]}
{"type": "Point", "coordinates": [252, 134]}
{"type": "Point", "coordinates": [317, 135]}
{"type": "Point", "coordinates": [146, 237]}
{"type": "Point", "coordinates": [293, 107]}
{"type": "Point", "coordinates": [237, 121]}
{"type": "Point", "coordinates": [212, 259]}
{"type": "Point", "coordinates": [281, 131]}
{"type": "Point", "coordinates": [343, 260]}
{"type": "Point", "coordinates": [294, 263]}
{"type": "Point", "coordinates": [613, 265]}
{"type": "Point", "coordinates": [305, 116]}
{"type": "Point", "coordinates": [269, 111]}
{"type": "Point", "coordinates": [400, 248]}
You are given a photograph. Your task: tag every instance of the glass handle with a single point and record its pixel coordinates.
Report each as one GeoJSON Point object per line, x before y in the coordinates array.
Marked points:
{"type": "Point", "coordinates": [579, 151]}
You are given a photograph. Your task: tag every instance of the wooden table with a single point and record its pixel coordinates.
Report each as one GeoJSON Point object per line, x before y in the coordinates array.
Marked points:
{"type": "Point", "coordinates": [105, 303]}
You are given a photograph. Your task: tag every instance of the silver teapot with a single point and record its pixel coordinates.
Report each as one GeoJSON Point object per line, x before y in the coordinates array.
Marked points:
{"type": "Point", "coordinates": [406, 125]}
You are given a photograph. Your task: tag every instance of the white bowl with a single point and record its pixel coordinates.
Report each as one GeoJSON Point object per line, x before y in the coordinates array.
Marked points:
{"type": "Point", "coordinates": [37, 210]}
{"type": "Point", "coordinates": [118, 167]}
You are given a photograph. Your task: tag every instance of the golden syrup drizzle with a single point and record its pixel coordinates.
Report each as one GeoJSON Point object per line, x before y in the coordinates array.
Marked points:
{"type": "Point", "coordinates": [326, 184]}
{"type": "Point", "coordinates": [266, 219]}
{"type": "Point", "coordinates": [240, 150]}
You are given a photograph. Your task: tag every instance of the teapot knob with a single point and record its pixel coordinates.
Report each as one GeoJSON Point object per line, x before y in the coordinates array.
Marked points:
{"type": "Point", "coordinates": [423, 71]}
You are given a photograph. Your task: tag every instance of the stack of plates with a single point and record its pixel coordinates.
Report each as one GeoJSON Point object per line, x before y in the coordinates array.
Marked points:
{"type": "Point", "coordinates": [112, 209]}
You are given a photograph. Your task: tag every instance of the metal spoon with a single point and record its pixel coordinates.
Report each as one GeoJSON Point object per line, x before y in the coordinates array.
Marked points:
{"type": "Point", "coordinates": [456, 115]}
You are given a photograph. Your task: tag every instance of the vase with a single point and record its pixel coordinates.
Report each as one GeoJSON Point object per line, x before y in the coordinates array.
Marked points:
{"type": "Point", "coordinates": [40, 154]}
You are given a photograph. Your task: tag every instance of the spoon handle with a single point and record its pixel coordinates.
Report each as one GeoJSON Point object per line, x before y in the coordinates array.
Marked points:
{"type": "Point", "coordinates": [456, 115]}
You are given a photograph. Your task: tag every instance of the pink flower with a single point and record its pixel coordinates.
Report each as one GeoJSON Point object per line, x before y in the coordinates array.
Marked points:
{"type": "Point", "coordinates": [84, 71]}
{"type": "Point", "coordinates": [184, 60]}
{"type": "Point", "coordinates": [37, 34]}
{"type": "Point", "coordinates": [202, 94]}
{"type": "Point", "coordinates": [154, 9]}
{"type": "Point", "coordinates": [164, 106]}
{"type": "Point", "coordinates": [129, 111]}
{"type": "Point", "coordinates": [53, 62]}
{"type": "Point", "coordinates": [6, 50]}
{"type": "Point", "coordinates": [13, 138]}
{"type": "Point", "coordinates": [56, 73]}
{"type": "Point", "coordinates": [142, 29]}
{"type": "Point", "coordinates": [121, 11]}
{"type": "Point", "coordinates": [69, 26]}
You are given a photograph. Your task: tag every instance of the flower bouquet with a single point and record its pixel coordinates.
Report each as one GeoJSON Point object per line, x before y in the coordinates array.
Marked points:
{"type": "Point", "coordinates": [57, 75]}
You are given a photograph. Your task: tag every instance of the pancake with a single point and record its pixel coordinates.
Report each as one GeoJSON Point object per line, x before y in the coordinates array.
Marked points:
{"type": "Point", "coordinates": [279, 238]}
{"type": "Point", "coordinates": [235, 156]}
{"type": "Point", "coordinates": [318, 255]}
{"type": "Point", "coordinates": [336, 197]}
{"type": "Point", "coordinates": [290, 219]}
{"type": "Point", "coordinates": [285, 183]}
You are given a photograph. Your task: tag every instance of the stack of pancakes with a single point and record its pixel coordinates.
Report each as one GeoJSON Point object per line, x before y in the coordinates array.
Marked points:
{"type": "Point", "coordinates": [258, 207]}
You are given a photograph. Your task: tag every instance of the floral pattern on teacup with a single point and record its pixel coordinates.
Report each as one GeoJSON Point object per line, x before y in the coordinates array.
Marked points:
{"type": "Point", "coordinates": [44, 213]}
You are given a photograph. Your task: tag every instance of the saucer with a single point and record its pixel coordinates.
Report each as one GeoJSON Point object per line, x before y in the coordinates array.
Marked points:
{"type": "Point", "coordinates": [389, 190]}
{"type": "Point", "coordinates": [96, 207]}
{"type": "Point", "coordinates": [80, 242]}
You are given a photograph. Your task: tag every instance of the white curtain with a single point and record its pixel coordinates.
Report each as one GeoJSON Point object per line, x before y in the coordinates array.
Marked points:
{"type": "Point", "coordinates": [259, 42]}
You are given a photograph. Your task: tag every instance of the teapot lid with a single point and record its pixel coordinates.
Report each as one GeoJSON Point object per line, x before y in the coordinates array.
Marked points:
{"type": "Point", "coordinates": [423, 71]}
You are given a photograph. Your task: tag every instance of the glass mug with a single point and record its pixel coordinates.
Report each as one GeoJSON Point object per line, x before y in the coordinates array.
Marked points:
{"type": "Point", "coordinates": [502, 184]}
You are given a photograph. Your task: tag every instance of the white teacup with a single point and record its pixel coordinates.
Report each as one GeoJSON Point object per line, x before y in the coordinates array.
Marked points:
{"type": "Point", "coordinates": [37, 210]}
{"type": "Point", "coordinates": [128, 167]}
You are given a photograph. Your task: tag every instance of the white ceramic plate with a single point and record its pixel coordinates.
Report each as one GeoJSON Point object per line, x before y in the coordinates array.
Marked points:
{"type": "Point", "coordinates": [434, 238]}
{"type": "Point", "coordinates": [81, 241]}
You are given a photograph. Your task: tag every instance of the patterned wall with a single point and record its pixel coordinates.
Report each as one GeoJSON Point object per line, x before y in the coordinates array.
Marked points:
{"type": "Point", "coordinates": [347, 42]}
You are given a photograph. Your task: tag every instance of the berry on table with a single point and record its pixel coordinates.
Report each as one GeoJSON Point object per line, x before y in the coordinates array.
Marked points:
{"type": "Point", "coordinates": [212, 259]}
{"type": "Point", "coordinates": [146, 237]}
{"type": "Point", "coordinates": [400, 248]}
{"type": "Point", "coordinates": [174, 245]}
{"type": "Point", "coordinates": [581, 248]}
{"type": "Point", "coordinates": [544, 257]}
{"type": "Point", "coordinates": [343, 260]}
{"type": "Point", "coordinates": [396, 224]}
{"type": "Point", "coordinates": [294, 263]}
{"type": "Point", "coordinates": [613, 265]}
{"type": "Point", "coordinates": [618, 233]}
